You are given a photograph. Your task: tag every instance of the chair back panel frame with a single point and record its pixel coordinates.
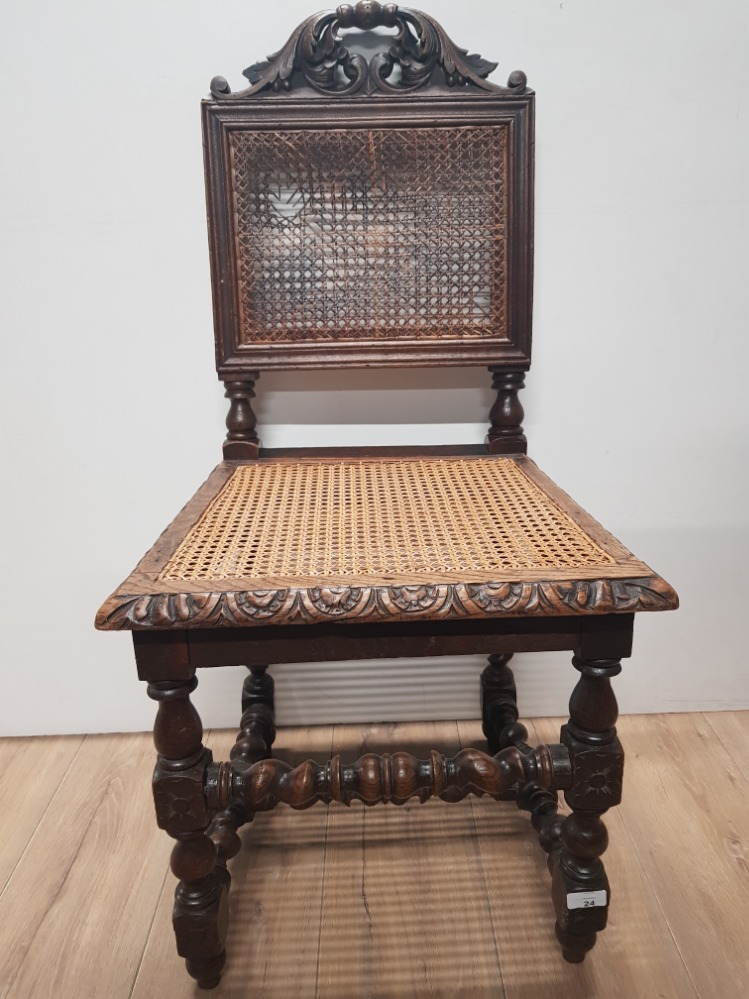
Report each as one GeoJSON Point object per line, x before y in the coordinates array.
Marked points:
{"type": "Point", "coordinates": [227, 125]}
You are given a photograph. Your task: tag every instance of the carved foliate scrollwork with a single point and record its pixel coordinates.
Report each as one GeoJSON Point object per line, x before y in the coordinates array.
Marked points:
{"type": "Point", "coordinates": [316, 50]}
{"type": "Point", "coordinates": [436, 603]}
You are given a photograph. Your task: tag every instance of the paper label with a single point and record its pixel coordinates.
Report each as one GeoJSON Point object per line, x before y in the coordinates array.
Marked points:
{"type": "Point", "coordinates": [586, 899]}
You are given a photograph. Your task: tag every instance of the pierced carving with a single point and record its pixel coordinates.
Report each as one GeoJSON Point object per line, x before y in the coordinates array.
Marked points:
{"type": "Point", "coordinates": [317, 52]}
{"type": "Point", "coordinates": [458, 600]}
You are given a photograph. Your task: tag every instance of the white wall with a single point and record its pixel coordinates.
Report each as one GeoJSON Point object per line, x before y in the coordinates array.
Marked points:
{"type": "Point", "coordinates": [112, 415]}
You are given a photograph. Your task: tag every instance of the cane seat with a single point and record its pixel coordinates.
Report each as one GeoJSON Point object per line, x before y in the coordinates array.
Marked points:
{"type": "Point", "coordinates": [289, 541]}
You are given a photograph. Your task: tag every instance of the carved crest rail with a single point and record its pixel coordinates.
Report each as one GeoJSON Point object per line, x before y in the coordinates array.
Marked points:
{"type": "Point", "coordinates": [317, 52]}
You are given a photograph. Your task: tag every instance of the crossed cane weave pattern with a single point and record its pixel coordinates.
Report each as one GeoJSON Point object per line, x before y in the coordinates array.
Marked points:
{"type": "Point", "coordinates": [358, 519]}
{"type": "Point", "coordinates": [370, 233]}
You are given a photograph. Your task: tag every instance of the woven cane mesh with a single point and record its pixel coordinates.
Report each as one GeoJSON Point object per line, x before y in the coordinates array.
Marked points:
{"type": "Point", "coordinates": [390, 519]}
{"type": "Point", "coordinates": [370, 233]}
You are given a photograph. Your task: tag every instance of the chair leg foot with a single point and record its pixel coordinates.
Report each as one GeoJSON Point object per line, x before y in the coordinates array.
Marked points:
{"type": "Point", "coordinates": [579, 888]}
{"type": "Point", "coordinates": [201, 919]}
{"type": "Point", "coordinates": [207, 973]}
{"type": "Point", "coordinates": [575, 945]}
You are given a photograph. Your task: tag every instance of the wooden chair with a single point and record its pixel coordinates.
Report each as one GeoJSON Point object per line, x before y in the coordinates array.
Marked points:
{"type": "Point", "coordinates": [377, 213]}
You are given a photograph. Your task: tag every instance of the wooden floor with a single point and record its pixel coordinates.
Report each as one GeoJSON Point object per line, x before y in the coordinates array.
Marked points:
{"type": "Point", "coordinates": [420, 901]}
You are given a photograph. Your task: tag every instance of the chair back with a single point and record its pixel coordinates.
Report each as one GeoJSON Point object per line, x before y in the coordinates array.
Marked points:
{"type": "Point", "coordinates": [370, 211]}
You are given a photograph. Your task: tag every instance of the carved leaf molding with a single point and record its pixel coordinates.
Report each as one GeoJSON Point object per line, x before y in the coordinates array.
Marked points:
{"type": "Point", "coordinates": [370, 603]}
{"type": "Point", "coordinates": [316, 50]}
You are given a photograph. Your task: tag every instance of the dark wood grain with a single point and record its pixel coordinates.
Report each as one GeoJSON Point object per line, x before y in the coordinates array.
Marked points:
{"type": "Point", "coordinates": [390, 640]}
{"type": "Point", "coordinates": [175, 655]}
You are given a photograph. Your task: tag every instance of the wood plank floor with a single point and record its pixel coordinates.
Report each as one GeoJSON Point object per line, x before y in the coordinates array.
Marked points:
{"type": "Point", "coordinates": [420, 901]}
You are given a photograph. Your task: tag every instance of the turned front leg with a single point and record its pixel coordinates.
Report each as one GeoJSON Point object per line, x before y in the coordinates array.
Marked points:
{"type": "Point", "coordinates": [579, 885]}
{"type": "Point", "coordinates": [201, 898]}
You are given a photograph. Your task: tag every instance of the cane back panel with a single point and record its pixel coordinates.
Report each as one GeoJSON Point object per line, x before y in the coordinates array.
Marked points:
{"type": "Point", "coordinates": [370, 229]}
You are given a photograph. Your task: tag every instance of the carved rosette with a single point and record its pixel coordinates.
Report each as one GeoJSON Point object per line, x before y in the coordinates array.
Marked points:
{"type": "Point", "coordinates": [396, 603]}
{"type": "Point", "coordinates": [316, 52]}
{"type": "Point", "coordinates": [597, 784]}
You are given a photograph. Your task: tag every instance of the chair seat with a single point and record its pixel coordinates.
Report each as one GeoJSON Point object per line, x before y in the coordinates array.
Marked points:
{"type": "Point", "coordinates": [299, 540]}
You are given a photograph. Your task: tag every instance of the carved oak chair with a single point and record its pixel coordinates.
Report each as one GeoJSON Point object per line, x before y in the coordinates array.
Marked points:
{"type": "Point", "coordinates": [369, 213]}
